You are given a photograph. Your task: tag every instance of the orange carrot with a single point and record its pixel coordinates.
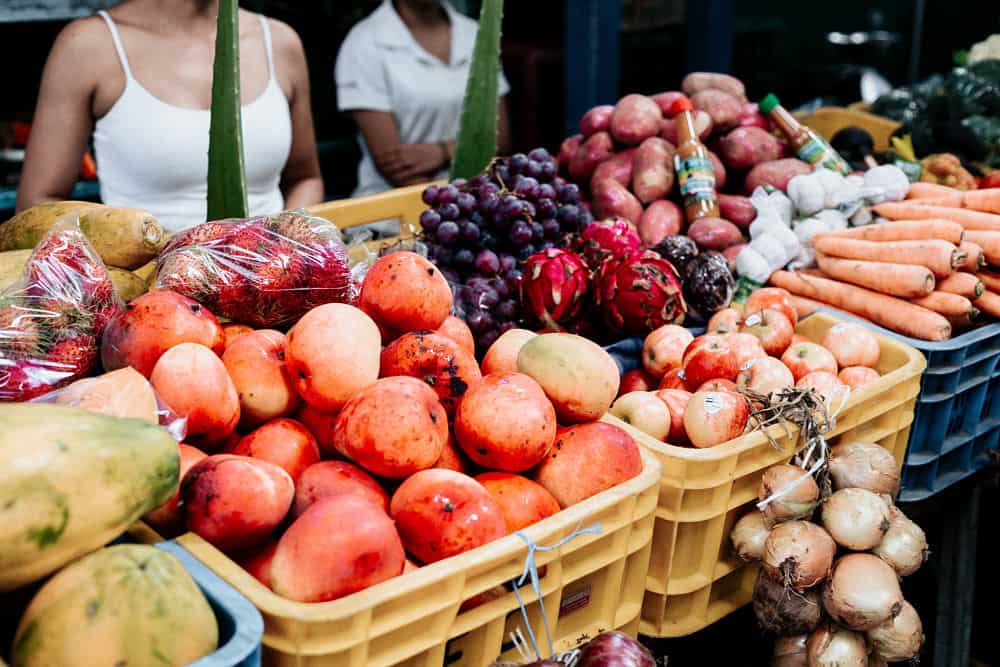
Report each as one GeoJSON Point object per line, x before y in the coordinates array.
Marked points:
{"type": "Point", "coordinates": [989, 303]}
{"type": "Point", "coordinates": [963, 284]}
{"type": "Point", "coordinates": [923, 190]}
{"type": "Point", "coordinates": [940, 257]}
{"type": "Point", "coordinates": [951, 201]}
{"type": "Point", "coordinates": [949, 305]}
{"type": "Point", "coordinates": [912, 210]}
{"type": "Point", "coordinates": [989, 242]}
{"type": "Point", "coordinates": [976, 260]}
{"type": "Point", "coordinates": [990, 279]}
{"type": "Point", "coordinates": [905, 230]}
{"type": "Point", "coordinates": [889, 312]}
{"type": "Point", "coordinates": [902, 280]}
{"type": "Point", "coordinates": [804, 306]}
{"type": "Point", "coordinates": [987, 200]}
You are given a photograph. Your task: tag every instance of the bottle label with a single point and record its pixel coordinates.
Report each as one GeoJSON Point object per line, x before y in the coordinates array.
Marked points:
{"type": "Point", "coordinates": [819, 153]}
{"type": "Point", "coordinates": [695, 178]}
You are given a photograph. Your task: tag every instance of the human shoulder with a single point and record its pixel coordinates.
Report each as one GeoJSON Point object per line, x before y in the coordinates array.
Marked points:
{"type": "Point", "coordinates": [284, 37]}
{"type": "Point", "coordinates": [85, 40]}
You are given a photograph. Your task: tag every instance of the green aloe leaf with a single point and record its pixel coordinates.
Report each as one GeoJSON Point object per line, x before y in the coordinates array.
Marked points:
{"type": "Point", "coordinates": [477, 132]}
{"type": "Point", "coordinates": [227, 184]}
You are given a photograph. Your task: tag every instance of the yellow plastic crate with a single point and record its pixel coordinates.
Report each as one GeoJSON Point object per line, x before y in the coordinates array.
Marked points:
{"type": "Point", "coordinates": [694, 578]}
{"type": "Point", "coordinates": [591, 584]}
{"type": "Point", "coordinates": [830, 120]}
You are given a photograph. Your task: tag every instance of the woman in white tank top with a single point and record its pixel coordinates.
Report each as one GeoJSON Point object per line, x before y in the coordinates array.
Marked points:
{"type": "Point", "coordinates": [140, 78]}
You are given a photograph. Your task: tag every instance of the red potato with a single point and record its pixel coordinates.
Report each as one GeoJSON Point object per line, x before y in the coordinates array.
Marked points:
{"type": "Point", "coordinates": [608, 454]}
{"type": "Point", "coordinates": [502, 355]}
{"type": "Point", "coordinates": [393, 428]}
{"type": "Point", "coordinates": [652, 170]}
{"type": "Point", "coordinates": [618, 167]}
{"type": "Point", "coordinates": [522, 501]}
{"type": "Point", "coordinates": [152, 324]}
{"type": "Point", "coordinates": [326, 370]}
{"type": "Point", "coordinates": [731, 253]}
{"type": "Point", "coordinates": [442, 513]}
{"type": "Point", "coordinates": [660, 219]}
{"type": "Point", "coordinates": [192, 380]}
{"type": "Point", "coordinates": [635, 119]}
{"type": "Point", "coordinates": [724, 109]}
{"type": "Point", "coordinates": [437, 360]}
{"type": "Point", "coordinates": [698, 81]}
{"type": "Point", "coordinates": [235, 502]}
{"type": "Point", "coordinates": [612, 200]}
{"type": "Point", "coordinates": [506, 423]}
{"type": "Point", "coordinates": [719, 170]}
{"type": "Point", "coordinates": [568, 149]}
{"type": "Point", "coordinates": [714, 233]}
{"type": "Point", "coordinates": [285, 443]}
{"type": "Point", "coordinates": [403, 292]}
{"type": "Point", "coordinates": [750, 116]}
{"type": "Point", "coordinates": [592, 152]}
{"type": "Point", "coordinates": [327, 479]}
{"type": "Point", "coordinates": [737, 209]}
{"type": "Point", "coordinates": [637, 379]}
{"type": "Point", "coordinates": [231, 332]}
{"type": "Point", "coordinates": [257, 561]}
{"type": "Point", "coordinates": [702, 125]}
{"type": "Point", "coordinates": [775, 173]}
{"type": "Point", "coordinates": [598, 119]}
{"type": "Point", "coordinates": [169, 519]}
{"type": "Point", "coordinates": [256, 364]}
{"type": "Point", "coordinates": [321, 425]}
{"type": "Point", "coordinates": [337, 547]}
{"type": "Point", "coordinates": [746, 147]}
{"type": "Point", "coordinates": [665, 100]}
{"type": "Point", "coordinates": [456, 329]}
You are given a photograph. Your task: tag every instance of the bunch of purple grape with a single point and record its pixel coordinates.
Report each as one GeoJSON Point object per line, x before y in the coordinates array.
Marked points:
{"type": "Point", "coordinates": [480, 231]}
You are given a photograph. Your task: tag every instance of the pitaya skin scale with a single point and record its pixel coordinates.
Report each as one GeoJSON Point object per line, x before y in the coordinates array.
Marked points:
{"type": "Point", "coordinates": [650, 277]}
{"type": "Point", "coordinates": [554, 285]}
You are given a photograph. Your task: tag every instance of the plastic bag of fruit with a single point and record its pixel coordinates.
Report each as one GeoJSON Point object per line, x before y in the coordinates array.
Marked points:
{"type": "Point", "coordinates": [51, 320]}
{"type": "Point", "coordinates": [265, 271]}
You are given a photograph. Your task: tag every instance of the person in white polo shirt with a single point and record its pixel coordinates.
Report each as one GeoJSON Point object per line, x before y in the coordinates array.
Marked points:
{"type": "Point", "coordinates": [401, 73]}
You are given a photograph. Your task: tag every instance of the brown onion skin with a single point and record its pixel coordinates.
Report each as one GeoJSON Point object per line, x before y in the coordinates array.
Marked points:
{"type": "Point", "coordinates": [615, 649]}
{"type": "Point", "coordinates": [811, 541]}
{"type": "Point", "coordinates": [864, 465]}
{"type": "Point", "coordinates": [783, 611]}
{"type": "Point", "coordinates": [899, 638]}
{"type": "Point", "coordinates": [797, 504]}
{"type": "Point", "coordinates": [843, 517]}
{"type": "Point", "coordinates": [790, 652]}
{"type": "Point", "coordinates": [829, 646]}
{"type": "Point", "coordinates": [748, 536]}
{"type": "Point", "coordinates": [904, 546]}
{"type": "Point", "coordinates": [840, 599]}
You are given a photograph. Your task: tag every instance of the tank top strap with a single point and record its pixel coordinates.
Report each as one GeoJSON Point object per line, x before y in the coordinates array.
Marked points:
{"type": "Point", "coordinates": [116, 38]}
{"type": "Point", "coordinates": [267, 45]}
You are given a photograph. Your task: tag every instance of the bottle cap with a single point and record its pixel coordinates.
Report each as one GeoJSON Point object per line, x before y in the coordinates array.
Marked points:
{"type": "Point", "coordinates": [768, 103]}
{"type": "Point", "coordinates": [679, 105]}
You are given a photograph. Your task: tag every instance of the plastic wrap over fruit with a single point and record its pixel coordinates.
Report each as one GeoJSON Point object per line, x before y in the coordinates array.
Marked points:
{"type": "Point", "coordinates": [122, 393]}
{"type": "Point", "coordinates": [51, 319]}
{"type": "Point", "coordinates": [264, 271]}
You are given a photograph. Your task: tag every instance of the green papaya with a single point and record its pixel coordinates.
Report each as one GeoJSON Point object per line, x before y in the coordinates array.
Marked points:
{"type": "Point", "coordinates": [71, 481]}
{"type": "Point", "coordinates": [129, 604]}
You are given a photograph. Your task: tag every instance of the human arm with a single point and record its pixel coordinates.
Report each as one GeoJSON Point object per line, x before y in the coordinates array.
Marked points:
{"type": "Point", "coordinates": [400, 164]}
{"type": "Point", "coordinates": [63, 119]}
{"type": "Point", "coordinates": [301, 180]}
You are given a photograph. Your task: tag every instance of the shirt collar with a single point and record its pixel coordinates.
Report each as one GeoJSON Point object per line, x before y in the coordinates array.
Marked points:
{"type": "Point", "coordinates": [390, 31]}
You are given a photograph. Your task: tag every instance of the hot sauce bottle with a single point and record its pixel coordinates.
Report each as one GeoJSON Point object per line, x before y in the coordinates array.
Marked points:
{"type": "Point", "coordinates": [695, 176]}
{"type": "Point", "coordinates": [808, 145]}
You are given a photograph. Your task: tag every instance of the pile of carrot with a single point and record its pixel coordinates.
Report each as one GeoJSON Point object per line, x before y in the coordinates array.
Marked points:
{"type": "Point", "coordinates": [932, 269]}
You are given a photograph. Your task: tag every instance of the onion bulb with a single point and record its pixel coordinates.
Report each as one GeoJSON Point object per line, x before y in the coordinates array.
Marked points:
{"type": "Point", "coordinates": [798, 554]}
{"type": "Point", "coordinates": [904, 546]}
{"type": "Point", "coordinates": [797, 503]}
{"type": "Point", "coordinates": [790, 652]}
{"type": "Point", "coordinates": [862, 592]}
{"type": "Point", "coordinates": [899, 638]}
{"type": "Point", "coordinates": [830, 646]}
{"type": "Point", "coordinates": [784, 611]}
{"type": "Point", "coordinates": [864, 465]}
{"type": "Point", "coordinates": [856, 519]}
{"type": "Point", "coordinates": [875, 660]}
{"type": "Point", "coordinates": [748, 536]}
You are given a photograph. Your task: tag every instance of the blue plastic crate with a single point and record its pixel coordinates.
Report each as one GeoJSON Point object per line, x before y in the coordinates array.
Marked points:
{"type": "Point", "coordinates": [956, 423]}
{"type": "Point", "coordinates": [240, 624]}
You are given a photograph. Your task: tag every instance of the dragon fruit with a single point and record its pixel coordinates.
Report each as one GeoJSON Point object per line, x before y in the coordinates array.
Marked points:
{"type": "Point", "coordinates": [613, 238]}
{"type": "Point", "coordinates": [639, 293]}
{"type": "Point", "coordinates": [554, 284]}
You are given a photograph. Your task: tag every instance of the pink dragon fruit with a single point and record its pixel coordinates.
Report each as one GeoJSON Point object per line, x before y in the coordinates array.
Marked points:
{"type": "Point", "coordinates": [639, 293]}
{"type": "Point", "coordinates": [554, 284]}
{"type": "Point", "coordinates": [613, 238]}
